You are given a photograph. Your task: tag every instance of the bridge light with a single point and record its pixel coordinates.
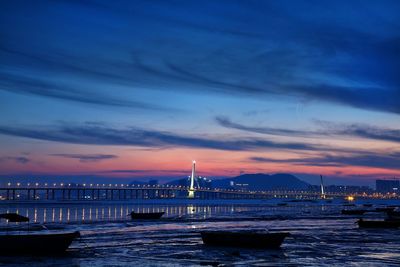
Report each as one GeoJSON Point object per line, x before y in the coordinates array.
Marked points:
{"type": "Point", "coordinates": [18, 184]}
{"type": "Point", "coordinates": [45, 184]}
{"type": "Point", "coordinates": [9, 184]}
{"type": "Point", "coordinates": [37, 184]}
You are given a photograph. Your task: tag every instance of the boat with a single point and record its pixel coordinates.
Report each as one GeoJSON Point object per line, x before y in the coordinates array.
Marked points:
{"type": "Point", "coordinates": [393, 215]}
{"type": "Point", "coordinates": [249, 239]}
{"type": "Point", "coordinates": [43, 243]}
{"type": "Point", "coordinates": [369, 205]}
{"type": "Point", "coordinates": [353, 212]}
{"type": "Point", "coordinates": [146, 215]}
{"type": "Point", "coordinates": [384, 209]}
{"type": "Point", "coordinates": [32, 242]}
{"type": "Point", "coordinates": [378, 224]}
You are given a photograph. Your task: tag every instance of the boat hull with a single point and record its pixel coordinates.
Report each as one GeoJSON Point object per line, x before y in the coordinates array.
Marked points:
{"type": "Point", "coordinates": [393, 215]}
{"type": "Point", "coordinates": [146, 216]}
{"type": "Point", "coordinates": [378, 224]}
{"type": "Point", "coordinates": [353, 212]}
{"type": "Point", "coordinates": [243, 239]}
{"type": "Point", "coordinates": [36, 243]}
{"type": "Point", "coordinates": [388, 209]}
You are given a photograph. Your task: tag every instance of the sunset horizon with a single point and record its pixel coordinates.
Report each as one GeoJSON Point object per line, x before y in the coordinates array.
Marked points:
{"type": "Point", "coordinates": [128, 91]}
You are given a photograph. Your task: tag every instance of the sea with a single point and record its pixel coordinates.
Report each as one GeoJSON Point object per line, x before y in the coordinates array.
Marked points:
{"type": "Point", "coordinates": [320, 234]}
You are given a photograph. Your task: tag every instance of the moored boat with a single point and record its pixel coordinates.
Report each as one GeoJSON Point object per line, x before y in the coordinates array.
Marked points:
{"type": "Point", "coordinates": [393, 215]}
{"type": "Point", "coordinates": [353, 212]}
{"type": "Point", "coordinates": [31, 243]}
{"type": "Point", "coordinates": [384, 209]}
{"type": "Point", "coordinates": [250, 239]}
{"type": "Point", "coordinates": [146, 215]}
{"type": "Point", "coordinates": [378, 224]}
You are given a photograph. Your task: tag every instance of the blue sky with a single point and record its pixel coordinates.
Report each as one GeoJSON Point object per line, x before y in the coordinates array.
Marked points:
{"type": "Point", "coordinates": [306, 87]}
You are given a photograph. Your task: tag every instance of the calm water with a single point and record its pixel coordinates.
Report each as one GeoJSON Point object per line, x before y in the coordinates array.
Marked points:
{"type": "Point", "coordinates": [320, 235]}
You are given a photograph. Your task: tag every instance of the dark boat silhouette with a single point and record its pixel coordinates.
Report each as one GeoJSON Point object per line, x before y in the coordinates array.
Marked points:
{"type": "Point", "coordinates": [33, 242]}
{"type": "Point", "coordinates": [14, 217]}
{"type": "Point", "coordinates": [349, 205]}
{"type": "Point", "coordinates": [367, 205]}
{"type": "Point", "coordinates": [378, 224]}
{"type": "Point", "coordinates": [353, 212]}
{"type": "Point", "coordinates": [393, 215]}
{"type": "Point", "coordinates": [49, 243]}
{"type": "Point", "coordinates": [249, 239]}
{"type": "Point", "coordinates": [384, 209]}
{"type": "Point", "coordinates": [146, 215]}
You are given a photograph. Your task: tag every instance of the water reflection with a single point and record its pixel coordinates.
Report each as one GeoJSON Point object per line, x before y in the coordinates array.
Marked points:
{"type": "Point", "coordinates": [110, 212]}
{"type": "Point", "coordinates": [91, 212]}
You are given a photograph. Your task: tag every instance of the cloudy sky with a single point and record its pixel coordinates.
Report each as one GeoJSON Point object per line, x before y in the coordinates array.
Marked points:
{"type": "Point", "coordinates": [140, 88]}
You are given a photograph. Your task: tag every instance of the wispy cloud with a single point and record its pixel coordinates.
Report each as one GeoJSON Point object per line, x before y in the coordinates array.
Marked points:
{"type": "Point", "coordinates": [328, 129]}
{"type": "Point", "coordinates": [87, 157]}
{"type": "Point", "coordinates": [94, 134]}
{"type": "Point", "coordinates": [20, 160]}
{"type": "Point", "coordinates": [140, 171]}
{"type": "Point", "coordinates": [21, 84]}
{"type": "Point", "coordinates": [234, 48]}
{"type": "Point", "coordinates": [227, 123]}
{"type": "Point", "coordinates": [360, 130]}
{"type": "Point", "coordinates": [384, 161]}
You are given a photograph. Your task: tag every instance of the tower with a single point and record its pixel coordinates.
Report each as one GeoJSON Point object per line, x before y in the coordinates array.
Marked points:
{"type": "Point", "coordinates": [322, 189]}
{"type": "Point", "coordinates": [191, 188]}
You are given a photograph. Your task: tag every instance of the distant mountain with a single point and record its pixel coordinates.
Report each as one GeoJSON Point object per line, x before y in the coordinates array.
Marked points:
{"type": "Point", "coordinates": [261, 181]}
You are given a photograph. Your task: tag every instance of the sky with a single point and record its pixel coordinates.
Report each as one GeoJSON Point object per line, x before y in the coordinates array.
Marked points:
{"type": "Point", "coordinates": [138, 89]}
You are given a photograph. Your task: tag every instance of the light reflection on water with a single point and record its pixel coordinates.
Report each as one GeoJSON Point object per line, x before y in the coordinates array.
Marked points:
{"type": "Point", "coordinates": [321, 236]}
{"type": "Point", "coordinates": [113, 212]}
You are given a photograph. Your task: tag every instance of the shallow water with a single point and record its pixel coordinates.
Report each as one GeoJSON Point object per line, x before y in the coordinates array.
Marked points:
{"type": "Point", "coordinates": [321, 236]}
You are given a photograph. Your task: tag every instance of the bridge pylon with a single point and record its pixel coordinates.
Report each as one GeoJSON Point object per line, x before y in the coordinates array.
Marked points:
{"type": "Point", "coordinates": [191, 188]}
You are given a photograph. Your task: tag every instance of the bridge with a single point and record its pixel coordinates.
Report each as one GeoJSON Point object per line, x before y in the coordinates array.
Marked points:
{"type": "Point", "coordinates": [70, 192]}
{"type": "Point", "coordinates": [100, 192]}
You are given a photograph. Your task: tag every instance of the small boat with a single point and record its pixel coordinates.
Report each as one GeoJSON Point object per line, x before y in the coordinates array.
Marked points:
{"type": "Point", "coordinates": [369, 205]}
{"type": "Point", "coordinates": [250, 239]}
{"type": "Point", "coordinates": [28, 242]}
{"type": "Point", "coordinates": [393, 215]}
{"type": "Point", "coordinates": [353, 212]}
{"type": "Point", "coordinates": [385, 209]}
{"type": "Point", "coordinates": [378, 224]}
{"type": "Point", "coordinates": [146, 215]}
{"type": "Point", "coordinates": [46, 243]}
